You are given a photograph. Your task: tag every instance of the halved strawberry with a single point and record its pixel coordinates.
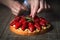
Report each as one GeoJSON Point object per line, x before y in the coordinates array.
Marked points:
{"type": "Point", "coordinates": [31, 27]}
{"type": "Point", "coordinates": [37, 26]}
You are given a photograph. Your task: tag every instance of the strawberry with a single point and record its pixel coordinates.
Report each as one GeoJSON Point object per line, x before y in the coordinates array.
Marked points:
{"type": "Point", "coordinates": [17, 25]}
{"type": "Point", "coordinates": [37, 26]}
{"type": "Point", "coordinates": [24, 27]}
{"type": "Point", "coordinates": [12, 23]}
{"type": "Point", "coordinates": [17, 19]}
{"type": "Point", "coordinates": [22, 20]}
{"type": "Point", "coordinates": [42, 23]}
{"type": "Point", "coordinates": [43, 20]}
{"type": "Point", "coordinates": [36, 19]}
{"type": "Point", "coordinates": [31, 27]}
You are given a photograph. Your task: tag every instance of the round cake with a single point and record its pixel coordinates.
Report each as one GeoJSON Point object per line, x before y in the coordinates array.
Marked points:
{"type": "Point", "coordinates": [22, 25]}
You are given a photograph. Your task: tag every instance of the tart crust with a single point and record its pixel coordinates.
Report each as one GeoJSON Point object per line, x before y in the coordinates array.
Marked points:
{"type": "Point", "coordinates": [27, 32]}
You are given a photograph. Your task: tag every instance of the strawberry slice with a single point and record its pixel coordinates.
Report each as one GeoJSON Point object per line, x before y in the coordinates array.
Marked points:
{"type": "Point", "coordinates": [31, 27]}
{"type": "Point", "coordinates": [37, 26]}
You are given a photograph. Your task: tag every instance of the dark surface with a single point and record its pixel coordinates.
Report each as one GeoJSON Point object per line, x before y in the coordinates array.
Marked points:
{"type": "Point", "coordinates": [53, 17]}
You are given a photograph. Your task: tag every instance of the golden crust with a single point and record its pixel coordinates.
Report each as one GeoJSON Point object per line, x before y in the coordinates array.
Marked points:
{"type": "Point", "coordinates": [27, 31]}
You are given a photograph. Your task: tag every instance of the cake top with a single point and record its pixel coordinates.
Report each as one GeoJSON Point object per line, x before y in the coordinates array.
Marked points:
{"type": "Point", "coordinates": [27, 22]}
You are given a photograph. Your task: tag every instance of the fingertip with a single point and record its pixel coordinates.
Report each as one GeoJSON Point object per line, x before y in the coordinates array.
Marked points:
{"type": "Point", "coordinates": [32, 16]}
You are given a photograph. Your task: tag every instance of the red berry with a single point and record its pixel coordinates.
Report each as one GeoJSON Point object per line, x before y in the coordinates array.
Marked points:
{"type": "Point", "coordinates": [36, 19]}
{"type": "Point", "coordinates": [12, 23]}
{"type": "Point", "coordinates": [31, 27]}
{"type": "Point", "coordinates": [17, 19]}
{"type": "Point", "coordinates": [23, 20]}
{"type": "Point", "coordinates": [37, 26]}
{"type": "Point", "coordinates": [24, 27]}
{"type": "Point", "coordinates": [17, 25]}
{"type": "Point", "coordinates": [42, 23]}
{"type": "Point", "coordinates": [43, 20]}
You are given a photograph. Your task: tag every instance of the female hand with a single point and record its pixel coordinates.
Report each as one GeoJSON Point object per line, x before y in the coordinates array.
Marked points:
{"type": "Point", "coordinates": [37, 6]}
{"type": "Point", "coordinates": [15, 6]}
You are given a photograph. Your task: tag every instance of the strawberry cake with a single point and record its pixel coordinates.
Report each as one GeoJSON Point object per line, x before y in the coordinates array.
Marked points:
{"type": "Point", "coordinates": [22, 25]}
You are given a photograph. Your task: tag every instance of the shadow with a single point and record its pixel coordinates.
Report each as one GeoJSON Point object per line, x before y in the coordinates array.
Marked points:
{"type": "Point", "coordinates": [23, 13]}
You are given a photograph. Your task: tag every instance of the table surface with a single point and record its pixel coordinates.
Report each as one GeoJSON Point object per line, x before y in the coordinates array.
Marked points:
{"type": "Point", "coordinates": [6, 16]}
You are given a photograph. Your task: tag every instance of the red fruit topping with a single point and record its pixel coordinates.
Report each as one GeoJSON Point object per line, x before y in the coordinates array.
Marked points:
{"type": "Point", "coordinates": [42, 23]}
{"type": "Point", "coordinates": [37, 26]}
{"type": "Point", "coordinates": [24, 27]}
{"type": "Point", "coordinates": [31, 27]}
{"type": "Point", "coordinates": [23, 20]}
{"type": "Point", "coordinates": [12, 23]}
{"type": "Point", "coordinates": [43, 20]}
{"type": "Point", "coordinates": [36, 20]}
{"type": "Point", "coordinates": [17, 19]}
{"type": "Point", "coordinates": [17, 25]}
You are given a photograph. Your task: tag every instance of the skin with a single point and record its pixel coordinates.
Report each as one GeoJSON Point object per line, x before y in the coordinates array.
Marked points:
{"type": "Point", "coordinates": [15, 6]}
{"type": "Point", "coordinates": [36, 6]}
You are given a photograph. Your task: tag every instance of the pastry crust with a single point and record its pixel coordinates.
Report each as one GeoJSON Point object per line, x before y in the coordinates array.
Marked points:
{"type": "Point", "coordinates": [27, 32]}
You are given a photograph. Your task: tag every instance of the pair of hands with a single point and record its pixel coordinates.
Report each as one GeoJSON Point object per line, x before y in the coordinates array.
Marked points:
{"type": "Point", "coordinates": [36, 6]}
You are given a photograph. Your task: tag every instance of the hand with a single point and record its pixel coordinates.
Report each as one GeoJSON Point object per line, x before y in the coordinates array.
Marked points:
{"type": "Point", "coordinates": [15, 6]}
{"type": "Point", "coordinates": [37, 6]}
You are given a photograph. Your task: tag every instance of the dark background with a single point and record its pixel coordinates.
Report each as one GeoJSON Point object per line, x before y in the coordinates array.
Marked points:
{"type": "Point", "coordinates": [53, 16]}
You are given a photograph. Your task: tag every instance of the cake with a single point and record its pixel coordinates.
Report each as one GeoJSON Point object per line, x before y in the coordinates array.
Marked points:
{"type": "Point", "coordinates": [26, 25]}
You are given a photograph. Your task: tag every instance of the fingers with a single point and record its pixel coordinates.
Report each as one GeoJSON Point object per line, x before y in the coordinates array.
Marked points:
{"type": "Point", "coordinates": [34, 7]}
{"type": "Point", "coordinates": [47, 6]}
{"type": "Point", "coordinates": [15, 8]}
{"type": "Point", "coordinates": [43, 5]}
